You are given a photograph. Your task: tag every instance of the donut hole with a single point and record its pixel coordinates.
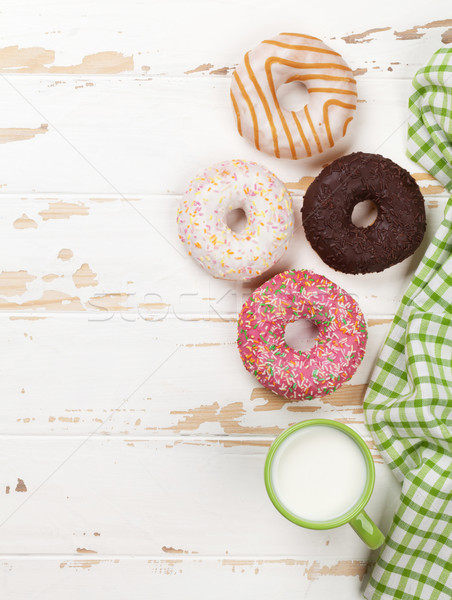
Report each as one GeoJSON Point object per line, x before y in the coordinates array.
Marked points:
{"type": "Point", "coordinates": [293, 96]}
{"type": "Point", "coordinates": [364, 214]}
{"type": "Point", "coordinates": [236, 220]}
{"type": "Point", "coordinates": [301, 334]}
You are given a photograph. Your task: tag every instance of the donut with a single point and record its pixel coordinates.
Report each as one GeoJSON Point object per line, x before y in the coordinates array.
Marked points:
{"type": "Point", "coordinates": [201, 219]}
{"type": "Point", "coordinates": [339, 346]}
{"type": "Point", "coordinates": [328, 206]}
{"type": "Point", "coordinates": [288, 134]}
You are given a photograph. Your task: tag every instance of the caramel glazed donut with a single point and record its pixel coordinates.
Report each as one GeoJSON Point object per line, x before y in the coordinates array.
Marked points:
{"type": "Point", "coordinates": [288, 134]}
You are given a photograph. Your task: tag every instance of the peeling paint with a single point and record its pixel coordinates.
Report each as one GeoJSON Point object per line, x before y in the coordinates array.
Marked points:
{"type": "Point", "coordinates": [226, 416]}
{"type": "Point", "coordinates": [14, 283]}
{"type": "Point", "coordinates": [361, 38]}
{"type": "Point", "coordinates": [50, 300]}
{"type": "Point", "coordinates": [109, 301]}
{"type": "Point", "coordinates": [172, 550]}
{"type": "Point", "coordinates": [7, 489]}
{"type": "Point", "coordinates": [50, 277]}
{"type": "Point", "coordinates": [344, 568]}
{"type": "Point", "coordinates": [204, 67]}
{"type": "Point", "coordinates": [428, 190]}
{"type": "Point", "coordinates": [275, 402]}
{"type": "Point", "coordinates": [79, 564]}
{"type": "Point", "coordinates": [39, 60]}
{"type": "Point", "coordinates": [21, 318]}
{"type": "Point", "coordinates": [19, 134]}
{"type": "Point", "coordinates": [423, 176]}
{"type": "Point", "coordinates": [347, 395]}
{"type": "Point", "coordinates": [358, 72]}
{"type": "Point", "coordinates": [65, 254]}
{"type": "Point", "coordinates": [414, 34]}
{"type": "Point", "coordinates": [446, 37]}
{"type": "Point", "coordinates": [221, 71]}
{"type": "Point", "coordinates": [153, 305]}
{"type": "Point", "coordinates": [24, 222]}
{"type": "Point", "coordinates": [84, 277]}
{"type": "Point", "coordinates": [312, 570]}
{"type": "Point", "coordinates": [85, 551]}
{"type": "Point", "coordinates": [379, 321]}
{"type": "Point", "coordinates": [64, 210]}
{"type": "Point", "coordinates": [21, 487]}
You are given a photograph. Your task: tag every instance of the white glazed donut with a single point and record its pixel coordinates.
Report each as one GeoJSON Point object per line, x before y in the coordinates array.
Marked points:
{"type": "Point", "coordinates": [201, 219]}
{"type": "Point", "coordinates": [287, 134]}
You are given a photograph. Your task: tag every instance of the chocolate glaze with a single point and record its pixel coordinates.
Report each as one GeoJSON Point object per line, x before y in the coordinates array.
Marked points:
{"type": "Point", "coordinates": [328, 206]}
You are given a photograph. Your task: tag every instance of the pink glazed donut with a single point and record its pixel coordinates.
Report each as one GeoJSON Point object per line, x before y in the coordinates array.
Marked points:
{"type": "Point", "coordinates": [338, 349]}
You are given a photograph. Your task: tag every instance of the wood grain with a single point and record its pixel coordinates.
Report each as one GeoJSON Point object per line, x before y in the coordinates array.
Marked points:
{"type": "Point", "coordinates": [132, 438]}
{"type": "Point", "coordinates": [147, 273]}
{"type": "Point", "coordinates": [105, 379]}
{"type": "Point", "coordinates": [60, 41]}
{"type": "Point", "coordinates": [141, 578]}
{"type": "Point", "coordinates": [154, 494]}
{"type": "Point", "coordinates": [70, 158]}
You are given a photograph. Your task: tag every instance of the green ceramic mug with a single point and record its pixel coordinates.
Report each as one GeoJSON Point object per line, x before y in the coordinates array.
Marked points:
{"type": "Point", "coordinates": [354, 514]}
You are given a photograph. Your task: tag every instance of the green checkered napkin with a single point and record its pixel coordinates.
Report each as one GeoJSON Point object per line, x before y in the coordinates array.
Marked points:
{"type": "Point", "coordinates": [408, 405]}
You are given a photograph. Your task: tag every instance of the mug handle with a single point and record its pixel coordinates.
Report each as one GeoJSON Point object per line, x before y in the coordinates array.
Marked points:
{"type": "Point", "coordinates": [367, 530]}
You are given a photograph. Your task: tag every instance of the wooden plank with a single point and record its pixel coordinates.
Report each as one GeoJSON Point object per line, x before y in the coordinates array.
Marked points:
{"type": "Point", "coordinates": [146, 496]}
{"type": "Point", "coordinates": [136, 38]}
{"type": "Point", "coordinates": [123, 136]}
{"type": "Point", "coordinates": [104, 257]}
{"type": "Point", "coordinates": [180, 576]}
{"type": "Point", "coordinates": [71, 375]}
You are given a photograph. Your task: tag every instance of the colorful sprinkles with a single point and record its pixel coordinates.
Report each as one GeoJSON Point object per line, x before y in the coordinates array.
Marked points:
{"type": "Point", "coordinates": [337, 351]}
{"type": "Point", "coordinates": [202, 213]}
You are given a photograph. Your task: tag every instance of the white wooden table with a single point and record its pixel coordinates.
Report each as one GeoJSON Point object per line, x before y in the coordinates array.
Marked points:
{"type": "Point", "coordinates": [132, 439]}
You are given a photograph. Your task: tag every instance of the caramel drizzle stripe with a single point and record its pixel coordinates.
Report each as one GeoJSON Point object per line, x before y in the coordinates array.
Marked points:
{"type": "Point", "coordinates": [297, 47]}
{"type": "Point", "coordinates": [268, 65]}
{"type": "Point", "coordinates": [302, 35]}
{"type": "Point", "coordinates": [301, 132]}
{"type": "Point", "coordinates": [332, 91]}
{"type": "Point", "coordinates": [347, 121]}
{"type": "Point", "coordinates": [251, 107]}
{"type": "Point", "coordinates": [237, 113]}
{"type": "Point", "coordinates": [326, 119]}
{"type": "Point", "coordinates": [320, 76]}
{"type": "Point", "coordinates": [299, 65]}
{"type": "Point", "coordinates": [314, 132]}
{"type": "Point", "coordinates": [265, 105]}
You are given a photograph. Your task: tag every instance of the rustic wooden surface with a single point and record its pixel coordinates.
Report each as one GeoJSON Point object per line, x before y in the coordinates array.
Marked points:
{"type": "Point", "coordinates": [132, 441]}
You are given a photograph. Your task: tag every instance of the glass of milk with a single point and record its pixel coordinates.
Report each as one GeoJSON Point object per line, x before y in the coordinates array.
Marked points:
{"type": "Point", "coordinates": [320, 474]}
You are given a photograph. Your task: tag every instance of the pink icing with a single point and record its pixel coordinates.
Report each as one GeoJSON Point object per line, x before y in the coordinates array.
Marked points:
{"type": "Point", "coordinates": [338, 349]}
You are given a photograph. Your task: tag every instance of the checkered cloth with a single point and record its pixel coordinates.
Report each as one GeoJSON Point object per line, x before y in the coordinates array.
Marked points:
{"type": "Point", "coordinates": [408, 405]}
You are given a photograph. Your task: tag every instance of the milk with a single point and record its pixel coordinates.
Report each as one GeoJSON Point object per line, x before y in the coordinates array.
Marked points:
{"type": "Point", "coordinates": [318, 473]}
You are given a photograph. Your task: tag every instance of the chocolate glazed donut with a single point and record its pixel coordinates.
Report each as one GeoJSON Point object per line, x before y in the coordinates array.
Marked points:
{"type": "Point", "coordinates": [328, 206]}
